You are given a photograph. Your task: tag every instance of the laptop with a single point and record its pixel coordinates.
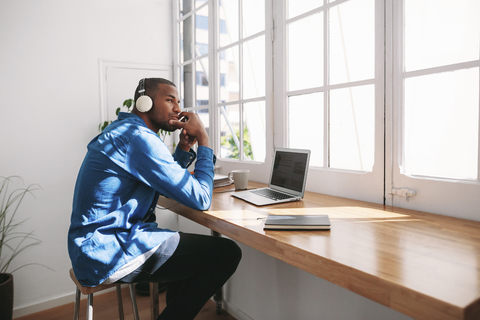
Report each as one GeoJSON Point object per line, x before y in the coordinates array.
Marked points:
{"type": "Point", "coordinates": [287, 179]}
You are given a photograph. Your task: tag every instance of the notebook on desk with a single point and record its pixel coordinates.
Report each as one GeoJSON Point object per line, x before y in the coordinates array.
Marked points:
{"type": "Point", "coordinates": [297, 222]}
{"type": "Point", "coordinates": [287, 179]}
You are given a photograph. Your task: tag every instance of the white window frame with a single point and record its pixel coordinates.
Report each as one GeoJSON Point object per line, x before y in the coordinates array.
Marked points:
{"type": "Point", "coordinates": [259, 170]}
{"type": "Point", "coordinates": [453, 197]}
{"type": "Point", "coordinates": [344, 183]}
{"type": "Point", "coordinates": [373, 186]}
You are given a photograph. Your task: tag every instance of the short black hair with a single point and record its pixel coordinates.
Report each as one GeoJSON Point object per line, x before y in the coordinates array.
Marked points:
{"type": "Point", "coordinates": [151, 87]}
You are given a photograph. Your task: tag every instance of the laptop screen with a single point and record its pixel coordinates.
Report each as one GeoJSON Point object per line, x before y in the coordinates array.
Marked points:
{"type": "Point", "coordinates": [289, 170]}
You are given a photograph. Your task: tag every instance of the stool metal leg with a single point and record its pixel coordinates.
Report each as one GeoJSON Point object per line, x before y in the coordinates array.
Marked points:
{"type": "Point", "coordinates": [134, 300]}
{"type": "Point", "coordinates": [120, 302]}
{"type": "Point", "coordinates": [218, 296]}
{"type": "Point", "coordinates": [90, 307]}
{"type": "Point", "coordinates": [76, 310]}
{"type": "Point", "coordinates": [154, 305]}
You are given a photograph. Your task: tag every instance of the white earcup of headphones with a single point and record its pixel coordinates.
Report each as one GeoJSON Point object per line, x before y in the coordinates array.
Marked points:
{"type": "Point", "coordinates": [144, 103]}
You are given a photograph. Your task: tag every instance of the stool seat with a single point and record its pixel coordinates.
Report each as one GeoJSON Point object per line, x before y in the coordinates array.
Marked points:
{"type": "Point", "coordinates": [89, 291]}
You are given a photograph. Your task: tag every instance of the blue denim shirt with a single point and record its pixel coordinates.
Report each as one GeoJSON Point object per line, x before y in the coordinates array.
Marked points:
{"type": "Point", "coordinates": [125, 169]}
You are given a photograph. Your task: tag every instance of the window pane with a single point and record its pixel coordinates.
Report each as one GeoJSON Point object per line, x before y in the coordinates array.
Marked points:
{"type": "Point", "coordinates": [205, 117]}
{"type": "Point", "coordinates": [201, 29]}
{"type": "Point", "coordinates": [352, 128]}
{"type": "Point", "coordinates": [254, 68]}
{"type": "Point", "coordinates": [186, 45]}
{"type": "Point", "coordinates": [352, 41]}
{"type": "Point", "coordinates": [254, 17]}
{"type": "Point", "coordinates": [229, 132]}
{"type": "Point", "coordinates": [202, 82]}
{"type": "Point", "coordinates": [186, 6]}
{"type": "Point", "coordinates": [198, 3]}
{"type": "Point", "coordinates": [296, 7]}
{"type": "Point", "coordinates": [441, 32]}
{"type": "Point", "coordinates": [229, 74]}
{"type": "Point", "coordinates": [254, 131]}
{"type": "Point", "coordinates": [181, 88]}
{"type": "Point", "coordinates": [305, 123]}
{"type": "Point", "coordinates": [228, 24]}
{"type": "Point", "coordinates": [186, 87]}
{"type": "Point", "coordinates": [181, 54]}
{"type": "Point", "coordinates": [441, 124]}
{"type": "Point", "coordinates": [305, 53]}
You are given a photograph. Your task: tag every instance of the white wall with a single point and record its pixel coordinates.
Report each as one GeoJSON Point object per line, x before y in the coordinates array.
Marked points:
{"type": "Point", "coordinates": [50, 53]}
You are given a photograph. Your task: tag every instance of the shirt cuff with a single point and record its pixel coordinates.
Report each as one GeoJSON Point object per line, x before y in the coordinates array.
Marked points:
{"type": "Point", "coordinates": [206, 152]}
{"type": "Point", "coordinates": [185, 158]}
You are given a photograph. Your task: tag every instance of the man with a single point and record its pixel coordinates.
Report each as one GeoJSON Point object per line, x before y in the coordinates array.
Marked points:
{"type": "Point", "coordinates": [111, 237]}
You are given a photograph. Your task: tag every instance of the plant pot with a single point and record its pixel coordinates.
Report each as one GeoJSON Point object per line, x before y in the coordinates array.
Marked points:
{"type": "Point", "coordinates": [6, 296]}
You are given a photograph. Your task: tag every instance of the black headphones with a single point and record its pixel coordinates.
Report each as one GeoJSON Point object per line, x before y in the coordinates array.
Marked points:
{"type": "Point", "coordinates": [144, 103]}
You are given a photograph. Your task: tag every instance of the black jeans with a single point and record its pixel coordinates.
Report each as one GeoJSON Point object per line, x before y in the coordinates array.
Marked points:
{"type": "Point", "coordinates": [194, 273]}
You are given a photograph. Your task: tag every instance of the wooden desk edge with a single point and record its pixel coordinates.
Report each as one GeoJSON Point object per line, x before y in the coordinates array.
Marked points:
{"type": "Point", "coordinates": [411, 303]}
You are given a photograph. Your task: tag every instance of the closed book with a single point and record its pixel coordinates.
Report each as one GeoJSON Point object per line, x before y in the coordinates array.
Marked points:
{"type": "Point", "coordinates": [221, 181]}
{"type": "Point", "coordinates": [297, 222]}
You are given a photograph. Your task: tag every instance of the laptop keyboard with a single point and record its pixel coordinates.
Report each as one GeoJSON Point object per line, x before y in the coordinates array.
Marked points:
{"type": "Point", "coordinates": [271, 194]}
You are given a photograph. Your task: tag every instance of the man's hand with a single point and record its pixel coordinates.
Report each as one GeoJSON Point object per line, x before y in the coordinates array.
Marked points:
{"type": "Point", "coordinates": [192, 131]}
{"type": "Point", "coordinates": [186, 140]}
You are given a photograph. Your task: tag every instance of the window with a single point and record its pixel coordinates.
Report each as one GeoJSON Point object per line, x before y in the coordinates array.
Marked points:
{"type": "Point", "coordinates": [435, 106]}
{"type": "Point", "coordinates": [338, 91]}
{"type": "Point", "coordinates": [193, 58]}
{"type": "Point", "coordinates": [384, 93]}
{"type": "Point", "coordinates": [233, 89]}
{"type": "Point", "coordinates": [240, 55]}
{"type": "Point", "coordinates": [441, 95]}
{"type": "Point", "coordinates": [330, 95]}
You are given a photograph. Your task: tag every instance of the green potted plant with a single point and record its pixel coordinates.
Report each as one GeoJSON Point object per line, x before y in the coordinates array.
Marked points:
{"type": "Point", "coordinates": [12, 240]}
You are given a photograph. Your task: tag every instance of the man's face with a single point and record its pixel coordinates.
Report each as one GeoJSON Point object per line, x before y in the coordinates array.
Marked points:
{"type": "Point", "coordinates": [166, 106]}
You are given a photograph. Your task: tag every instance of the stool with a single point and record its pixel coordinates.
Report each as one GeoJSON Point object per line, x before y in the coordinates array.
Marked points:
{"type": "Point", "coordinates": [91, 290]}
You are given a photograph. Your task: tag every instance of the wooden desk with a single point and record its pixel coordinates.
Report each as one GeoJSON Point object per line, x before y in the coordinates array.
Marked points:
{"type": "Point", "coordinates": [423, 265]}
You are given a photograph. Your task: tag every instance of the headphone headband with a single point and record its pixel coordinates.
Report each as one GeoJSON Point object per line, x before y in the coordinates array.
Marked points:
{"type": "Point", "coordinates": [141, 90]}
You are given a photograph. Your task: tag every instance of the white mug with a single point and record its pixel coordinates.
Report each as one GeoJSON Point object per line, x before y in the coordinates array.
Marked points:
{"type": "Point", "coordinates": [240, 178]}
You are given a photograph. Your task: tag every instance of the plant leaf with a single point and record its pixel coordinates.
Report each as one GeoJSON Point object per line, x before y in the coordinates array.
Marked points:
{"type": "Point", "coordinates": [14, 241]}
